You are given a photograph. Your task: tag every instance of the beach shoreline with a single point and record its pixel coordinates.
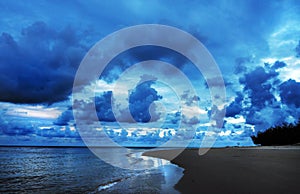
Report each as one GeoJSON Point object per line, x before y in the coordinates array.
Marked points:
{"type": "Point", "coordinates": [261, 169]}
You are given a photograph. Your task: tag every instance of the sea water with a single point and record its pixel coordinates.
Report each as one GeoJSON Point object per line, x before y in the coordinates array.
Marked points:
{"type": "Point", "coordinates": [78, 170]}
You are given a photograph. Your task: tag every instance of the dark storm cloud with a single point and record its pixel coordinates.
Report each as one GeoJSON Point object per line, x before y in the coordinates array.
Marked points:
{"type": "Point", "coordinates": [257, 85]}
{"type": "Point", "coordinates": [257, 102]}
{"type": "Point", "coordinates": [278, 65]}
{"type": "Point", "coordinates": [39, 66]}
{"type": "Point", "coordinates": [290, 93]}
{"type": "Point", "coordinates": [138, 54]}
{"type": "Point", "coordinates": [258, 89]}
{"type": "Point", "coordinates": [40, 63]}
{"type": "Point", "coordinates": [236, 106]}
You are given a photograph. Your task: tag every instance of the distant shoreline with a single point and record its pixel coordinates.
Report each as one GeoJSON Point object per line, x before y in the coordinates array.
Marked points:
{"type": "Point", "coordinates": [50, 146]}
{"type": "Point", "coordinates": [147, 147]}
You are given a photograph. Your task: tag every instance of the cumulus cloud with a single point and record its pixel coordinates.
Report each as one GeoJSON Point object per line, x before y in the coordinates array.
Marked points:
{"type": "Point", "coordinates": [236, 106]}
{"type": "Point", "coordinates": [140, 100]}
{"type": "Point", "coordinates": [266, 100]}
{"type": "Point", "coordinates": [278, 65]}
{"type": "Point", "coordinates": [290, 93]}
{"type": "Point", "coordinates": [141, 106]}
{"type": "Point", "coordinates": [65, 117]}
{"type": "Point", "coordinates": [257, 85]}
{"type": "Point", "coordinates": [103, 105]}
{"type": "Point", "coordinates": [140, 137]}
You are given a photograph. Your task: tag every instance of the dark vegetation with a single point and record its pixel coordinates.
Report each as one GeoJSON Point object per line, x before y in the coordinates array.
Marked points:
{"type": "Point", "coordinates": [285, 134]}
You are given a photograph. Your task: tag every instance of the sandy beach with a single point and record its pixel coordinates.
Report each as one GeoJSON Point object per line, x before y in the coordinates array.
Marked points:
{"type": "Point", "coordinates": [238, 170]}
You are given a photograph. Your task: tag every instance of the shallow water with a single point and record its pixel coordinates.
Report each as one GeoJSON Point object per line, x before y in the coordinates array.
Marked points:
{"type": "Point", "coordinates": [77, 170]}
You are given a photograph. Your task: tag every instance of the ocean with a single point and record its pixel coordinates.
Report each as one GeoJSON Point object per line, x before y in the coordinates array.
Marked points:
{"type": "Point", "coordinates": [78, 170]}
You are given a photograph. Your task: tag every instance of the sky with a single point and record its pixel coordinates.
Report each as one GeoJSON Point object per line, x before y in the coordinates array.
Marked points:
{"type": "Point", "coordinates": [256, 45]}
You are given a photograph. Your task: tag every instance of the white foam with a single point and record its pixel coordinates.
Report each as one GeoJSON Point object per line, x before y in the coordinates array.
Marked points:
{"type": "Point", "coordinates": [103, 187]}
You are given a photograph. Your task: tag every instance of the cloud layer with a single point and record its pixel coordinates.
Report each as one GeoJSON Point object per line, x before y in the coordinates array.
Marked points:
{"type": "Point", "coordinates": [255, 43]}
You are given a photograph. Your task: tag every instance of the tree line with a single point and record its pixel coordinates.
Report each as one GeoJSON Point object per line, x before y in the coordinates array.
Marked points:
{"type": "Point", "coordinates": [285, 134]}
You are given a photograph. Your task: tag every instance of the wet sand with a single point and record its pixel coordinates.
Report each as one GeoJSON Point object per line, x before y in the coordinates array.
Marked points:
{"type": "Point", "coordinates": [238, 170]}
